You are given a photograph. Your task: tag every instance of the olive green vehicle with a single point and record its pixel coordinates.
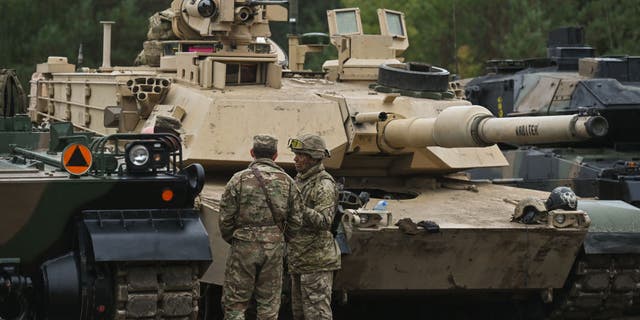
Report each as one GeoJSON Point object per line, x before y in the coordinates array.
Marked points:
{"type": "Point", "coordinates": [96, 227]}
{"type": "Point", "coordinates": [397, 131]}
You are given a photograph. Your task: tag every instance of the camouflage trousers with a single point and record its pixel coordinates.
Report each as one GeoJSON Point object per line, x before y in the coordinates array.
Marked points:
{"type": "Point", "coordinates": [253, 268]}
{"type": "Point", "coordinates": [311, 295]}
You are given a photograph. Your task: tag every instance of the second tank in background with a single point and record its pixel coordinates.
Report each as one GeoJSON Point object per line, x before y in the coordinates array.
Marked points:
{"type": "Point", "coordinates": [570, 80]}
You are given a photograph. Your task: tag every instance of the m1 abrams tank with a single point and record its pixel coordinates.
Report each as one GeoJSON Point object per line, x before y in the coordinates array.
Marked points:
{"type": "Point", "coordinates": [121, 241]}
{"type": "Point", "coordinates": [570, 80]}
{"type": "Point", "coordinates": [395, 130]}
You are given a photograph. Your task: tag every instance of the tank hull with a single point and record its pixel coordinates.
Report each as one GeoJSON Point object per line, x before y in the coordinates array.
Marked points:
{"type": "Point", "coordinates": [477, 248]}
{"type": "Point", "coordinates": [41, 209]}
{"type": "Point", "coordinates": [590, 172]}
{"type": "Point", "coordinates": [459, 259]}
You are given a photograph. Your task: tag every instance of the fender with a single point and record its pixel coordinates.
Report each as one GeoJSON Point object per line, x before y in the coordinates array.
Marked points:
{"type": "Point", "coordinates": [615, 227]}
{"type": "Point", "coordinates": [147, 235]}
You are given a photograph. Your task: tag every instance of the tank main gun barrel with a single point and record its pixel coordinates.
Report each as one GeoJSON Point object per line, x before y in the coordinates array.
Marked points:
{"type": "Point", "coordinates": [475, 126]}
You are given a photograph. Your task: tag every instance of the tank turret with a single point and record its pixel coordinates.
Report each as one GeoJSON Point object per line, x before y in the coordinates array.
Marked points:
{"type": "Point", "coordinates": [578, 80]}
{"type": "Point", "coordinates": [208, 80]}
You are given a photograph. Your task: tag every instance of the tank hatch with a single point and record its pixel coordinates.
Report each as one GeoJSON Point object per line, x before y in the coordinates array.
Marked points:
{"type": "Point", "coordinates": [359, 54]}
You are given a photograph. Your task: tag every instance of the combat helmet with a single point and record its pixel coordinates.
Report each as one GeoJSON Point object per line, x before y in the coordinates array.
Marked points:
{"type": "Point", "coordinates": [310, 144]}
{"type": "Point", "coordinates": [562, 198]}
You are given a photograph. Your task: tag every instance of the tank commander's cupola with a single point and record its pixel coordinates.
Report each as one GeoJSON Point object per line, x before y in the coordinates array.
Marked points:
{"type": "Point", "coordinates": [224, 42]}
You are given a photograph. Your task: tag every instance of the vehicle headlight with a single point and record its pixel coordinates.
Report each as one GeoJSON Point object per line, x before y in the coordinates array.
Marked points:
{"type": "Point", "coordinates": [559, 218]}
{"type": "Point", "coordinates": [147, 156]}
{"type": "Point", "coordinates": [138, 155]}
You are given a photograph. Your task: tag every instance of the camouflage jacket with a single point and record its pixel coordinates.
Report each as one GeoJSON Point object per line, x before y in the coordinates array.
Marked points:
{"type": "Point", "coordinates": [314, 249]}
{"type": "Point", "coordinates": [244, 212]}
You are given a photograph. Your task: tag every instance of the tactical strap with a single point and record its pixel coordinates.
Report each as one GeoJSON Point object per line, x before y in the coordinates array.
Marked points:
{"type": "Point", "coordinates": [278, 219]}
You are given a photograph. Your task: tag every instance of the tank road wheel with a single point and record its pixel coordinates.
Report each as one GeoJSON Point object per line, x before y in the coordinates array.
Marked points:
{"type": "Point", "coordinates": [168, 291]}
{"type": "Point", "coordinates": [414, 76]}
{"type": "Point", "coordinates": [601, 287]}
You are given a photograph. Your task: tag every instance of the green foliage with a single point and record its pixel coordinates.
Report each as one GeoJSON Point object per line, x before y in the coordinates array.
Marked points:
{"type": "Point", "coordinates": [528, 32]}
{"type": "Point", "coordinates": [457, 34]}
{"type": "Point", "coordinates": [462, 34]}
{"type": "Point", "coordinates": [31, 33]}
{"type": "Point", "coordinates": [610, 26]}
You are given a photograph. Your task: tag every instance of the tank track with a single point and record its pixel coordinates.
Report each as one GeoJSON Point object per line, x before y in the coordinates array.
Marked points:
{"type": "Point", "coordinates": [603, 287]}
{"type": "Point", "coordinates": [157, 292]}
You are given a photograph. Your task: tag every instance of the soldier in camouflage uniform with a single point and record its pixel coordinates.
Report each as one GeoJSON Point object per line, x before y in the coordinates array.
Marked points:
{"type": "Point", "coordinates": [256, 233]}
{"type": "Point", "coordinates": [313, 255]}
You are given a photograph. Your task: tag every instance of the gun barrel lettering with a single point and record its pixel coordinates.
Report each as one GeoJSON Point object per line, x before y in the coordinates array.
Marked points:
{"type": "Point", "coordinates": [527, 130]}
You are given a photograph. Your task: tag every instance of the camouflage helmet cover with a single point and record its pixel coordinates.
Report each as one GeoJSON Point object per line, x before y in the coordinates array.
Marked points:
{"type": "Point", "coordinates": [527, 209]}
{"type": "Point", "coordinates": [310, 144]}
{"type": "Point", "coordinates": [265, 142]}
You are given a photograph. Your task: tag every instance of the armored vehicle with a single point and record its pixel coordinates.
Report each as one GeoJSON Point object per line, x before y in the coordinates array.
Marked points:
{"type": "Point", "coordinates": [97, 227]}
{"type": "Point", "coordinates": [570, 80]}
{"type": "Point", "coordinates": [396, 131]}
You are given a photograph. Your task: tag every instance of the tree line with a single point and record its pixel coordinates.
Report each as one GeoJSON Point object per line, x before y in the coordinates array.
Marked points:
{"type": "Point", "coordinates": [456, 34]}
{"type": "Point", "coordinates": [462, 34]}
{"type": "Point", "coordinates": [31, 33]}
